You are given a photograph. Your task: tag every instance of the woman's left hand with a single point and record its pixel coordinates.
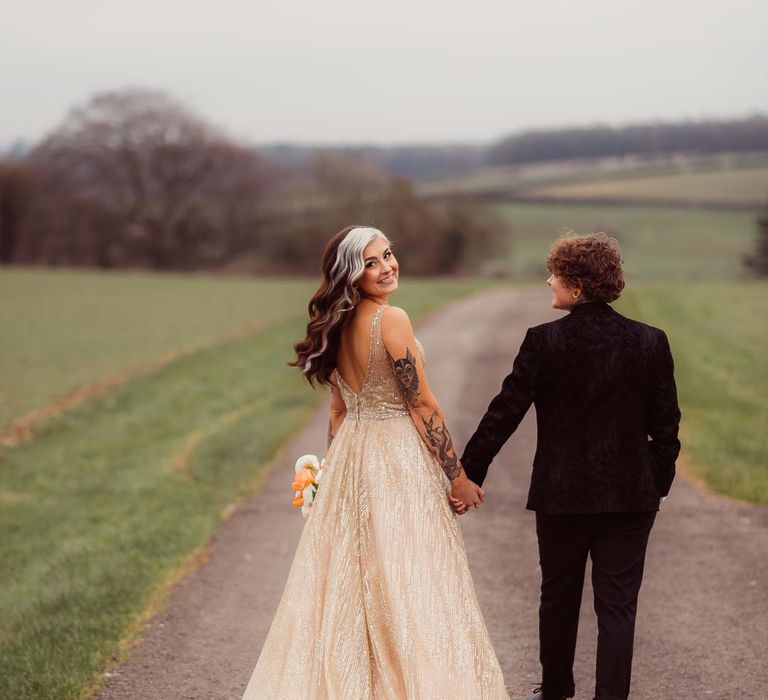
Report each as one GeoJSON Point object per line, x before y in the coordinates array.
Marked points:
{"type": "Point", "coordinates": [458, 506]}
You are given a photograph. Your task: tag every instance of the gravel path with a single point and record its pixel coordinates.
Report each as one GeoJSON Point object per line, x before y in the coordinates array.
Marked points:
{"type": "Point", "coordinates": [702, 627]}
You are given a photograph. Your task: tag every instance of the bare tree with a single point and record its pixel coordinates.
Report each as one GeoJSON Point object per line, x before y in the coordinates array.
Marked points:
{"type": "Point", "coordinates": [431, 238]}
{"type": "Point", "coordinates": [757, 262]}
{"type": "Point", "coordinates": [348, 182]}
{"type": "Point", "coordinates": [152, 183]}
{"type": "Point", "coordinates": [132, 178]}
{"type": "Point", "coordinates": [16, 195]}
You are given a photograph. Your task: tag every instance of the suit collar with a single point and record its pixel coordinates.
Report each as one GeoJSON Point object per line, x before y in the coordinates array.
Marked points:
{"type": "Point", "coordinates": [591, 308]}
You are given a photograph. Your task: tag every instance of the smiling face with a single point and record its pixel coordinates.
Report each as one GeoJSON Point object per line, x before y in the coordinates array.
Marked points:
{"type": "Point", "coordinates": [562, 296]}
{"type": "Point", "coordinates": [380, 275]}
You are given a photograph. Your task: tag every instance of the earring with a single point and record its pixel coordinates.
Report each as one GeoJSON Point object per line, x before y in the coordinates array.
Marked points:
{"type": "Point", "coordinates": [576, 294]}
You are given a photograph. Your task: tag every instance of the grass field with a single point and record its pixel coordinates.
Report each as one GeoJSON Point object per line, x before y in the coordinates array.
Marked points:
{"type": "Point", "coordinates": [95, 324]}
{"type": "Point", "coordinates": [658, 243]}
{"type": "Point", "coordinates": [748, 188]}
{"type": "Point", "coordinates": [719, 334]}
{"type": "Point", "coordinates": [733, 179]}
{"type": "Point", "coordinates": [110, 499]}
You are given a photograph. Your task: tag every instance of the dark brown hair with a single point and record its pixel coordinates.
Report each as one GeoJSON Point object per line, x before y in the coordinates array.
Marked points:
{"type": "Point", "coordinates": [333, 304]}
{"type": "Point", "coordinates": [591, 263]}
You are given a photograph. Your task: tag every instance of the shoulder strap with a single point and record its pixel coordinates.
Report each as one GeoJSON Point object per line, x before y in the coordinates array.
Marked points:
{"type": "Point", "coordinates": [376, 339]}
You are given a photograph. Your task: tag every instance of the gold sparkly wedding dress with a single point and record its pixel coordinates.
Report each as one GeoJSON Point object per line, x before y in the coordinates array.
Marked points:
{"type": "Point", "coordinates": [379, 602]}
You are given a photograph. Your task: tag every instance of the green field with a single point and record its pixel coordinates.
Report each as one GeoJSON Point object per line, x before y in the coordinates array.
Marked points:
{"type": "Point", "coordinates": [110, 499]}
{"type": "Point", "coordinates": [63, 329]}
{"type": "Point", "coordinates": [658, 243]}
{"type": "Point", "coordinates": [732, 180]}
{"type": "Point", "coordinates": [719, 334]}
{"type": "Point", "coordinates": [748, 188]}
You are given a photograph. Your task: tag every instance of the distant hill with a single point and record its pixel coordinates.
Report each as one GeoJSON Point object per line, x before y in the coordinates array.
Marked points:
{"type": "Point", "coordinates": [414, 161]}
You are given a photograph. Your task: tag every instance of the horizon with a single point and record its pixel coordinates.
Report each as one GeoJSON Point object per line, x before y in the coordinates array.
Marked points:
{"type": "Point", "coordinates": [400, 73]}
{"type": "Point", "coordinates": [23, 145]}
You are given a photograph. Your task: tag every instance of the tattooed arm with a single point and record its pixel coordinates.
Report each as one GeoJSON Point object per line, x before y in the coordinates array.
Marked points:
{"type": "Point", "coordinates": [425, 410]}
{"type": "Point", "coordinates": [338, 413]}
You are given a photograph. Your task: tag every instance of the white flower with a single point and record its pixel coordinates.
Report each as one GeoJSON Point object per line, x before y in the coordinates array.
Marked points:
{"type": "Point", "coordinates": [316, 469]}
{"type": "Point", "coordinates": [309, 461]}
{"type": "Point", "coordinates": [309, 499]}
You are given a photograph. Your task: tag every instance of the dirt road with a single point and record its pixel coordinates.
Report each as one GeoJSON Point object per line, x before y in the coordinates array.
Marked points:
{"type": "Point", "coordinates": [702, 627]}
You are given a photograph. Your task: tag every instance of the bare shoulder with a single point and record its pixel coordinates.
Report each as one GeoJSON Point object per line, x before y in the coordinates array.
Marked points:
{"type": "Point", "coordinates": [395, 320]}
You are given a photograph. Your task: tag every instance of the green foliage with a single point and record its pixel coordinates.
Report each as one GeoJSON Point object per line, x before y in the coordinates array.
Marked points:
{"type": "Point", "coordinates": [718, 334]}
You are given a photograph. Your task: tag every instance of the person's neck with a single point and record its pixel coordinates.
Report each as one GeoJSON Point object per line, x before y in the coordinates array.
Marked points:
{"type": "Point", "coordinates": [580, 302]}
{"type": "Point", "coordinates": [378, 300]}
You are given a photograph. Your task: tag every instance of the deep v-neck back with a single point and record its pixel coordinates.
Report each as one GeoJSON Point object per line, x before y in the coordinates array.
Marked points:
{"type": "Point", "coordinates": [374, 335]}
{"type": "Point", "coordinates": [380, 396]}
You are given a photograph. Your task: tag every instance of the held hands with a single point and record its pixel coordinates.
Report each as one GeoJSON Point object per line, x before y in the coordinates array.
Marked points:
{"type": "Point", "coordinates": [465, 494]}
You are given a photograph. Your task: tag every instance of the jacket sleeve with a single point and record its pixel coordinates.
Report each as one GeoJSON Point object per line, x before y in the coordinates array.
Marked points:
{"type": "Point", "coordinates": [505, 411]}
{"type": "Point", "coordinates": [663, 417]}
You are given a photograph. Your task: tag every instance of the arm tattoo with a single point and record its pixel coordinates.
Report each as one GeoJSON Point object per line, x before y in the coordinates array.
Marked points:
{"type": "Point", "coordinates": [441, 443]}
{"type": "Point", "coordinates": [407, 377]}
{"type": "Point", "coordinates": [330, 432]}
{"type": "Point", "coordinates": [436, 433]}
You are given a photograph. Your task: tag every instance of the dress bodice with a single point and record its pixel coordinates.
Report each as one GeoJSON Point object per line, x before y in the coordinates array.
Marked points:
{"type": "Point", "coordinates": [380, 397]}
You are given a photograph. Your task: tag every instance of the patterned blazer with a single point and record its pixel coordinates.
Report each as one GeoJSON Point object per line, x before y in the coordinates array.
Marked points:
{"type": "Point", "coordinates": [606, 409]}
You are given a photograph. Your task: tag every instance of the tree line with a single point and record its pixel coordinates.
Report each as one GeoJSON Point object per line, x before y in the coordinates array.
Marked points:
{"type": "Point", "coordinates": [132, 178]}
{"type": "Point", "coordinates": [660, 139]}
{"type": "Point", "coordinates": [418, 162]}
{"type": "Point", "coordinates": [654, 139]}
{"type": "Point", "coordinates": [757, 261]}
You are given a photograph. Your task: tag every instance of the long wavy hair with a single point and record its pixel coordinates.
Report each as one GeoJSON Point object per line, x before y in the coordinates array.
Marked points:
{"type": "Point", "coordinates": [333, 304]}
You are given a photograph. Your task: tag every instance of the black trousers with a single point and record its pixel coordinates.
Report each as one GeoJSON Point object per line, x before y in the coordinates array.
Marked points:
{"type": "Point", "coordinates": [616, 543]}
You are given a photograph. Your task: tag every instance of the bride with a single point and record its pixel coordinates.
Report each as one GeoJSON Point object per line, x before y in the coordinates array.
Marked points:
{"type": "Point", "coordinates": [379, 602]}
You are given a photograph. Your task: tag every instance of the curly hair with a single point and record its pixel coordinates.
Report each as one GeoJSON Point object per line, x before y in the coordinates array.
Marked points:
{"type": "Point", "coordinates": [591, 263]}
{"type": "Point", "coordinates": [333, 304]}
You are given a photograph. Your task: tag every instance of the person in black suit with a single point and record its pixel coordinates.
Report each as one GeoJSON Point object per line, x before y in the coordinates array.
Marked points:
{"type": "Point", "coordinates": [607, 421]}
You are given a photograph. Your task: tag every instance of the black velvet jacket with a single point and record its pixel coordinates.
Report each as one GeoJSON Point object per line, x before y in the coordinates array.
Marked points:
{"type": "Point", "coordinates": [602, 385]}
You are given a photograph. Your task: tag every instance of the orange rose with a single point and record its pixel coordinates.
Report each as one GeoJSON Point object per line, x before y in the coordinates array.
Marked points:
{"type": "Point", "coordinates": [298, 502]}
{"type": "Point", "coordinates": [303, 479]}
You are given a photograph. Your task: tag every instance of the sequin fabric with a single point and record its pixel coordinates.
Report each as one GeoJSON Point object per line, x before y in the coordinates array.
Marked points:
{"type": "Point", "coordinates": [379, 603]}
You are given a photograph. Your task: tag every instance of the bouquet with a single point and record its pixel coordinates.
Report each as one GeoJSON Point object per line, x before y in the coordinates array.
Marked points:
{"type": "Point", "coordinates": [309, 470]}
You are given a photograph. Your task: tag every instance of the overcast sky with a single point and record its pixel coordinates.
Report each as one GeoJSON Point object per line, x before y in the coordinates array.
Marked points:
{"type": "Point", "coordinates": [389, 71]}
